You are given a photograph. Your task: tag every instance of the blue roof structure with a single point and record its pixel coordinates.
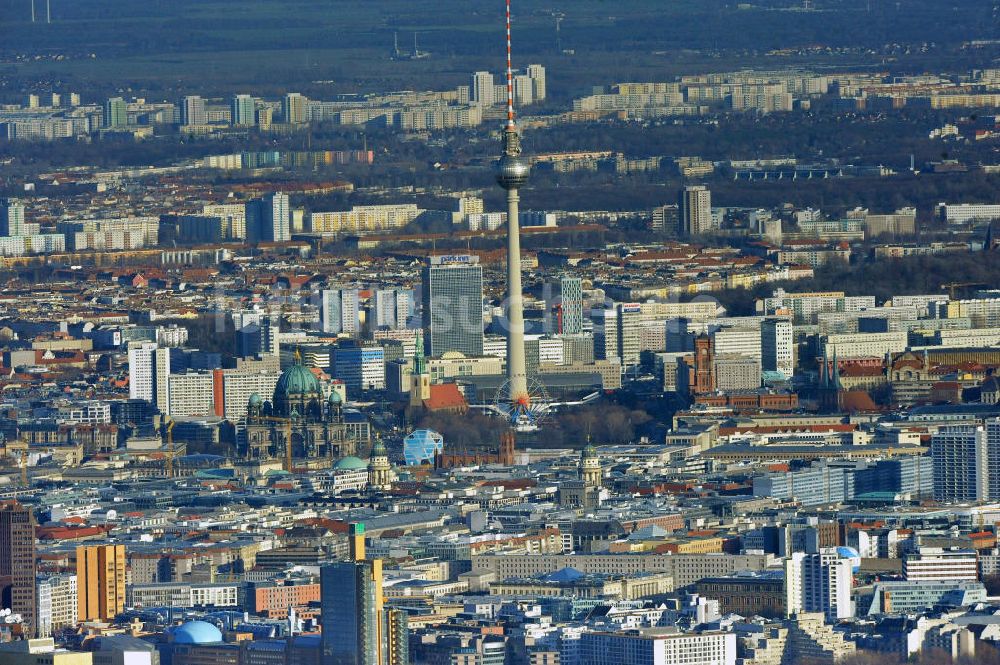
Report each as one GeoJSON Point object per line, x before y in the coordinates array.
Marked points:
{"type": "Point", "coordinates": [196, 632]}
{"type": "Point", "coordinates": [420, 446]}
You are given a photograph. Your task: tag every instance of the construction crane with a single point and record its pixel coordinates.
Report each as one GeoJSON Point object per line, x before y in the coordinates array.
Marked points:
{"type": "Point", "coordinates": [951, 286]}
{"type": "Point", "coordinates": [288, 438]}
{"type": "Point", "coordinates": [170, 445]}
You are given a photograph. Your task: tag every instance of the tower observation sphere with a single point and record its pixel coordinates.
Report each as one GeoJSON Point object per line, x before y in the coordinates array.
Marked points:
{"type": "Point", "coordinates": [512, 171]}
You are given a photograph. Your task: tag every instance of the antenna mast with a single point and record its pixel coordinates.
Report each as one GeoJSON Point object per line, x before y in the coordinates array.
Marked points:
{"type": "Point", "coordinates": [510, 76]}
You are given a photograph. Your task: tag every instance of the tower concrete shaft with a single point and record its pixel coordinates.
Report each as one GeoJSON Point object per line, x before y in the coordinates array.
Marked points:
{"type": "Point", "coordinates": [517, 371]}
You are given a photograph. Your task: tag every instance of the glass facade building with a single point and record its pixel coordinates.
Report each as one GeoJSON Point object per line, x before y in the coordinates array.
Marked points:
{"type": "Point", "coordinates": [351, 613]}
{"type": "Point", "coordinates": [452, 301]}
{"type": "Point", "coordinates": [421, 445]}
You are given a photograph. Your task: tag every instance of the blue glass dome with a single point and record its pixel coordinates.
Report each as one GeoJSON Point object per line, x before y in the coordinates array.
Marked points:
{"type": "Point", "coordinates": [196, 632]}
{"type": "Point", "coordinates": [420, 446]}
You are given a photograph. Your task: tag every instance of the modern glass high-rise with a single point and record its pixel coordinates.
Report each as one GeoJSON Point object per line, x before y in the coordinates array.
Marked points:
{"type": "Point", "coordinates": [193, 111]}
{"type": "Point", "coordinates": [452, 298]}
{"type": "Point", "coordinates": [242, 111]}
{"type": "Point", "coordinates": [564, 305]}
{"type": "Point", "coordinates": [11, 217]}
{"type": "Point", "coordinates": [17, 561]}
{"type": "Point", "coordinates": [351, 606]}
{"type": "Point", "coordinates": [294, 109]}
{"type": "Point", "coordinates": [115, 113]}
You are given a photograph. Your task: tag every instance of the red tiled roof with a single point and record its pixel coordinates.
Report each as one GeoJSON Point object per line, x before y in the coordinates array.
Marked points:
{"type": "Point", "coordinates": [445, 396]}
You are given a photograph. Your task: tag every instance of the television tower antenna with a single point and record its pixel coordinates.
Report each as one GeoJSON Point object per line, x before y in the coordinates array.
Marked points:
{"type": "Point", "coordinates": [512, 174]}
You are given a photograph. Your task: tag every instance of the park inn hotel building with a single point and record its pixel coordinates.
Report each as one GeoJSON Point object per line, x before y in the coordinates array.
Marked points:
{"type": "Point", "coordinates": [453, 305]}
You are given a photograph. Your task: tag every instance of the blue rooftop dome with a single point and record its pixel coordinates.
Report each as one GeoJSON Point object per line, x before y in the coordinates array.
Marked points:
{"type": "Point", "coordinates": [350, 463]}
{"type": "Point", "coordinates": [196, 632]}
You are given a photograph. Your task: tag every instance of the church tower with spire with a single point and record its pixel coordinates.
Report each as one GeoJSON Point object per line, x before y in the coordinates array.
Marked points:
{"type": "Point", "coordinates": [379, 469]}
{"type": "Point", "coordinates": [590, 467]}
{"type": "Point", "coordinates": [420, 381]}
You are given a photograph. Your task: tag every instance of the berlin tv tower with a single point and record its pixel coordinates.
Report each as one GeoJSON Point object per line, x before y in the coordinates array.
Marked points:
{"type": "Point", "coordinates": [512, 174]}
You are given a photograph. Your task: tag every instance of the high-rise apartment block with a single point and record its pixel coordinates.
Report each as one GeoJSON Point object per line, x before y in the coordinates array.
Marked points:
{"type": "Point", "coordinates": [390, 308]}
{"type": "Point", "coordinates": [11, 217]}
{"type": "Point", "coordinates": [961, 463]}
{"type": "Point", "coordinates": [258, 339]}
{"type": "Point", "coordinates": [295, 109]}
{"type": "Point", "coordinates": [340, 312]}
{"type": "Point", "coordinates": [483, 89]}
{"type": "Point", "coordinates": [115, 113]}
{"type": "Point", "coordinates": [819, 582]}
{"type": "Point", "coordinates": [242, 111]}
{"type": "Point", "coordinates": [695, 210]}
{"type": "Point", "coordinates": [17, 562]}
{"type": "Point", "coordinates": [269, 219]}
{"type": "Point", "coordinates": [777, 347]}
{"type": "Point", "coordinates": [618, 333]}
{"type": "Point", "coordinates": [453, 305]}
{"type": "Point", "coordinates": [193, 111]}
{"type": "Point", "coordinates": [100, 579]}
{"type": "Point", "coordinates": [537, 75]}
{"type": "Point", "coordinates": [148, 369]}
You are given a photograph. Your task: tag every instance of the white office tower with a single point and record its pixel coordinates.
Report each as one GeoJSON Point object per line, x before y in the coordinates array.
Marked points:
{"type": "Point", "coordinates": [148, 372]}
{"type": "Point", "coordinates": [695, 210]}
{"type": "Point", "coordinates": [390, 308]}
{"type": "Point", "coordinates": [820, 582]}
{"type": "Point", "coordinates": [961, 463]}
{"type": "Point", "coordinates": [777, 347]}
{"type": "Point", "coordinates": [340, 312]}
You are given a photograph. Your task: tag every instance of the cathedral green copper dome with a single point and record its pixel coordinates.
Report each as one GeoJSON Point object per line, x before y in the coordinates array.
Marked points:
{"type": "Point", "coordinates": [350, 463]}
{"type": "Point", "coordinates": [297, 381]}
